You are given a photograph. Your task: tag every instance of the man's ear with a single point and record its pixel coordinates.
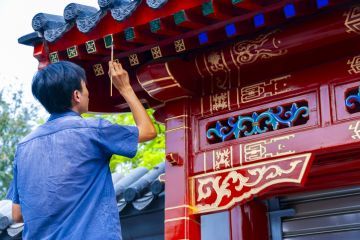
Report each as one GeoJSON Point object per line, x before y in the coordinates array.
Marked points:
{"type": "Point", "coordinates": [76, 96]}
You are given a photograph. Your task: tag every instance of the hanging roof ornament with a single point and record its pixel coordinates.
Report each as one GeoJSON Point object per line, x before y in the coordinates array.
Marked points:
{"type": "Point", "coordinates": [156, 3]}
{"type": "Point", "coordinates": [122, 9]}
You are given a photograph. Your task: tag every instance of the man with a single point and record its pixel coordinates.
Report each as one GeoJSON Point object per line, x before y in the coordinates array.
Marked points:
{"type": "Point", "coordinates": [62, 187]}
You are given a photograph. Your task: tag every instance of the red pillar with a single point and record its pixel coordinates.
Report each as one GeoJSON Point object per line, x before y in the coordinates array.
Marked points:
{"type": "Point", "coordinates": [179, 221]}
{"type": "Point", "coordinates": [249, 221]}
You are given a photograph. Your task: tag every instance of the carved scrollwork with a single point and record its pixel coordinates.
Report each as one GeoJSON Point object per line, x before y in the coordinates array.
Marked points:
{"type": "Point", "coordinates": [221, 190]}
{"type": "Point", "coordinates": [246, 52]}
{"type": "Point", "coordinates": [259, 123]}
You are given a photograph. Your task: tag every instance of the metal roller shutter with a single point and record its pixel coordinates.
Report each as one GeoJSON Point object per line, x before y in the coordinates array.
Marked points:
{"type": "Point", "coordinates": [326, 215]}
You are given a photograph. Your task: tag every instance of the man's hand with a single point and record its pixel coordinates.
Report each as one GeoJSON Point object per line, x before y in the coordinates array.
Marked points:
{"type": "Point", "coordinates": [121, 81]}
{"type": "Point", "coordinates": [120, 77]}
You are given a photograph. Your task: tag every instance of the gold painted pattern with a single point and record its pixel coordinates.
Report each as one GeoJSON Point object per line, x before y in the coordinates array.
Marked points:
{"type": "Point", "coordinates": [176, 117]}
{"type": "Point", "coordinates": [354, 65]}
{"type": "Point", "coordinates": [352, 21]}
{"type": "Point", "coordinates": [176, 129]}
{"type": "Point", "coordinates": [260, 150]}
{"type": "Point", "coordinates": [179, 45]}
{"type": "Point", "coordinates": [265, 89]}
{"type": "Point", "coordinates": [156, 80]}
{"type": "Point", "coordinates": [250, 51]}
{"type": "Point", "coordinates": [222, 158]}
{"type": "Point", "coordinates": [219, 101]}
{"type": "Point", "coordinates": [356, 130]}
{"type": "Point", "coordinates": [156, 52]}
{"type": "Point", "coordinates": [98, 69]}
{"type": "Point", "coordinates": [161, 88]}
{"type": "Point", "coordinates": [215, 63]}
{"type": "Point", "coordinates": [133, 59]}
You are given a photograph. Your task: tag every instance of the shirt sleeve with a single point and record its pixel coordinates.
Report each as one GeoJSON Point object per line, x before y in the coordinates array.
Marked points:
{"type": "Point", "coordinates": [12, 193]}
{"type": "Point", "coordinates": [118, 139]}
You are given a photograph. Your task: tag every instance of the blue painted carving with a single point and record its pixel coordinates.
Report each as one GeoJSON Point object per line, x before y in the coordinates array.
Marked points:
{"type": "Point", "coordinates": [257, 123]}
{"type": "Point", "coordinates": [73, 11]}
{"type": "Point", "coordinates": [85, 24]}
{"type": "Point", "coordinates": [52, 26]}
{"type": "Point", "coordinates": [352, 99]}
{"type": "Point", "coordinates": [156, 3]}
{"type": "Point", "coordinates": [122, 9]}
{"type": "Point", "coordinates": [43, 21]}
{"type": "Point", "coordinates": [105, 3]}
{"type": "Point", "coordinates": [52, 34]}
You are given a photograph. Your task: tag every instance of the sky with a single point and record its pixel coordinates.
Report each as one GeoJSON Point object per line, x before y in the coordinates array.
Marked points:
{"type": "Point", "coordinates": [17, 64]}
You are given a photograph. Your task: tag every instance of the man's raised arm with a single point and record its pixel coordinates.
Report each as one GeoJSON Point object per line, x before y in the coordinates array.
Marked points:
{"type": "Point", "coordinates": [121, 81]}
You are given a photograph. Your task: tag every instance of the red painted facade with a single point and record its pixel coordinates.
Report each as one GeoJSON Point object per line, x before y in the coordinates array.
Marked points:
{"type": "Point", "coordinates": [239, 83]}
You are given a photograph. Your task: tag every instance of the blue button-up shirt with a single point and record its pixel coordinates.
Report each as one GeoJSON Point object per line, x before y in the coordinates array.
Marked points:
{"type": "Point", "coordinates": [62, 179]}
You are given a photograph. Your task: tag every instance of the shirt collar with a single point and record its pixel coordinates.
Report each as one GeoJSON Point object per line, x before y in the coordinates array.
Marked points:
{"type": "Point", "coordinates": [54, 116]}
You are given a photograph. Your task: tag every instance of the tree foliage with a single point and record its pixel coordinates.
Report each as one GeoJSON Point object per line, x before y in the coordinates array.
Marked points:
{"type": "Point", "coordinates": [149, 153]}
{"type": "Point", "coordinates": [16, 121]}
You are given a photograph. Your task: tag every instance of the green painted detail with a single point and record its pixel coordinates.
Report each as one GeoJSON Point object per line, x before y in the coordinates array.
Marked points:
{"type": "Point", "coordinates": [129, 34]}
{"type": "Point", "coordinates": [54, 57]}
{"type": "Point", "coordinates": [72, 52]}
{"type": "Point", "coordinates": [179, 17]}
{"type": "Point", "coordinates": [155, 25]}
{"type": "Point", "coordinates": [207, 8]}
{"type": "Point", "coordinates": [90, 46]}
{"type": "Point", "coordinates": [108, 40]}
{"type": "Point", "coordinates": [236, 1]}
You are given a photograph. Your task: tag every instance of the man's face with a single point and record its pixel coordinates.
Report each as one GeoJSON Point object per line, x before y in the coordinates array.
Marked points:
{"type": "Point", "coordinates": [84, 98]}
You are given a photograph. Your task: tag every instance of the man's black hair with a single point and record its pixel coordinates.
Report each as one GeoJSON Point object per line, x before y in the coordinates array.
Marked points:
{"type": "Point", "coordinates": [54, 85]}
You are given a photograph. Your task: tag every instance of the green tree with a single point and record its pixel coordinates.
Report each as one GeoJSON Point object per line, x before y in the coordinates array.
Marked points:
{"type": "Point", "coordinates": [16, 121]}
{"type": "Point", "coordinates": [149, 153]}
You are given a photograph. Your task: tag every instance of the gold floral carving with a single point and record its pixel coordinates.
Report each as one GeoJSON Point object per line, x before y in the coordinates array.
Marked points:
{"type": "Point", "coordinates": [214, 61]}
{"type": "Point", "coordinates": [257, 178]}
{"type": "Point", "coordinates": [221, 158]}
{"type": "Point", "coordinates": [356, 130]}
{"type": "Point", "coordinates": [354, 65]}
{"type": "Point", "coordinates": [246, 52]}
{"type": "Point", "coordinates": [220, 101]}
{"type": "Point", "coordinates": [352, 21]}
{"type": "Point", "coordinates": [265, 89]}
{"type": "Point", "coordinates": [215, 64]}
{"type": "Point", "coordinates": [261, 149]}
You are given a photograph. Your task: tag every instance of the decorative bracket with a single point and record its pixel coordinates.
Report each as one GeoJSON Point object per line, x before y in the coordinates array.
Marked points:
{"type": "Point", "coordinates": [221, 190]}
